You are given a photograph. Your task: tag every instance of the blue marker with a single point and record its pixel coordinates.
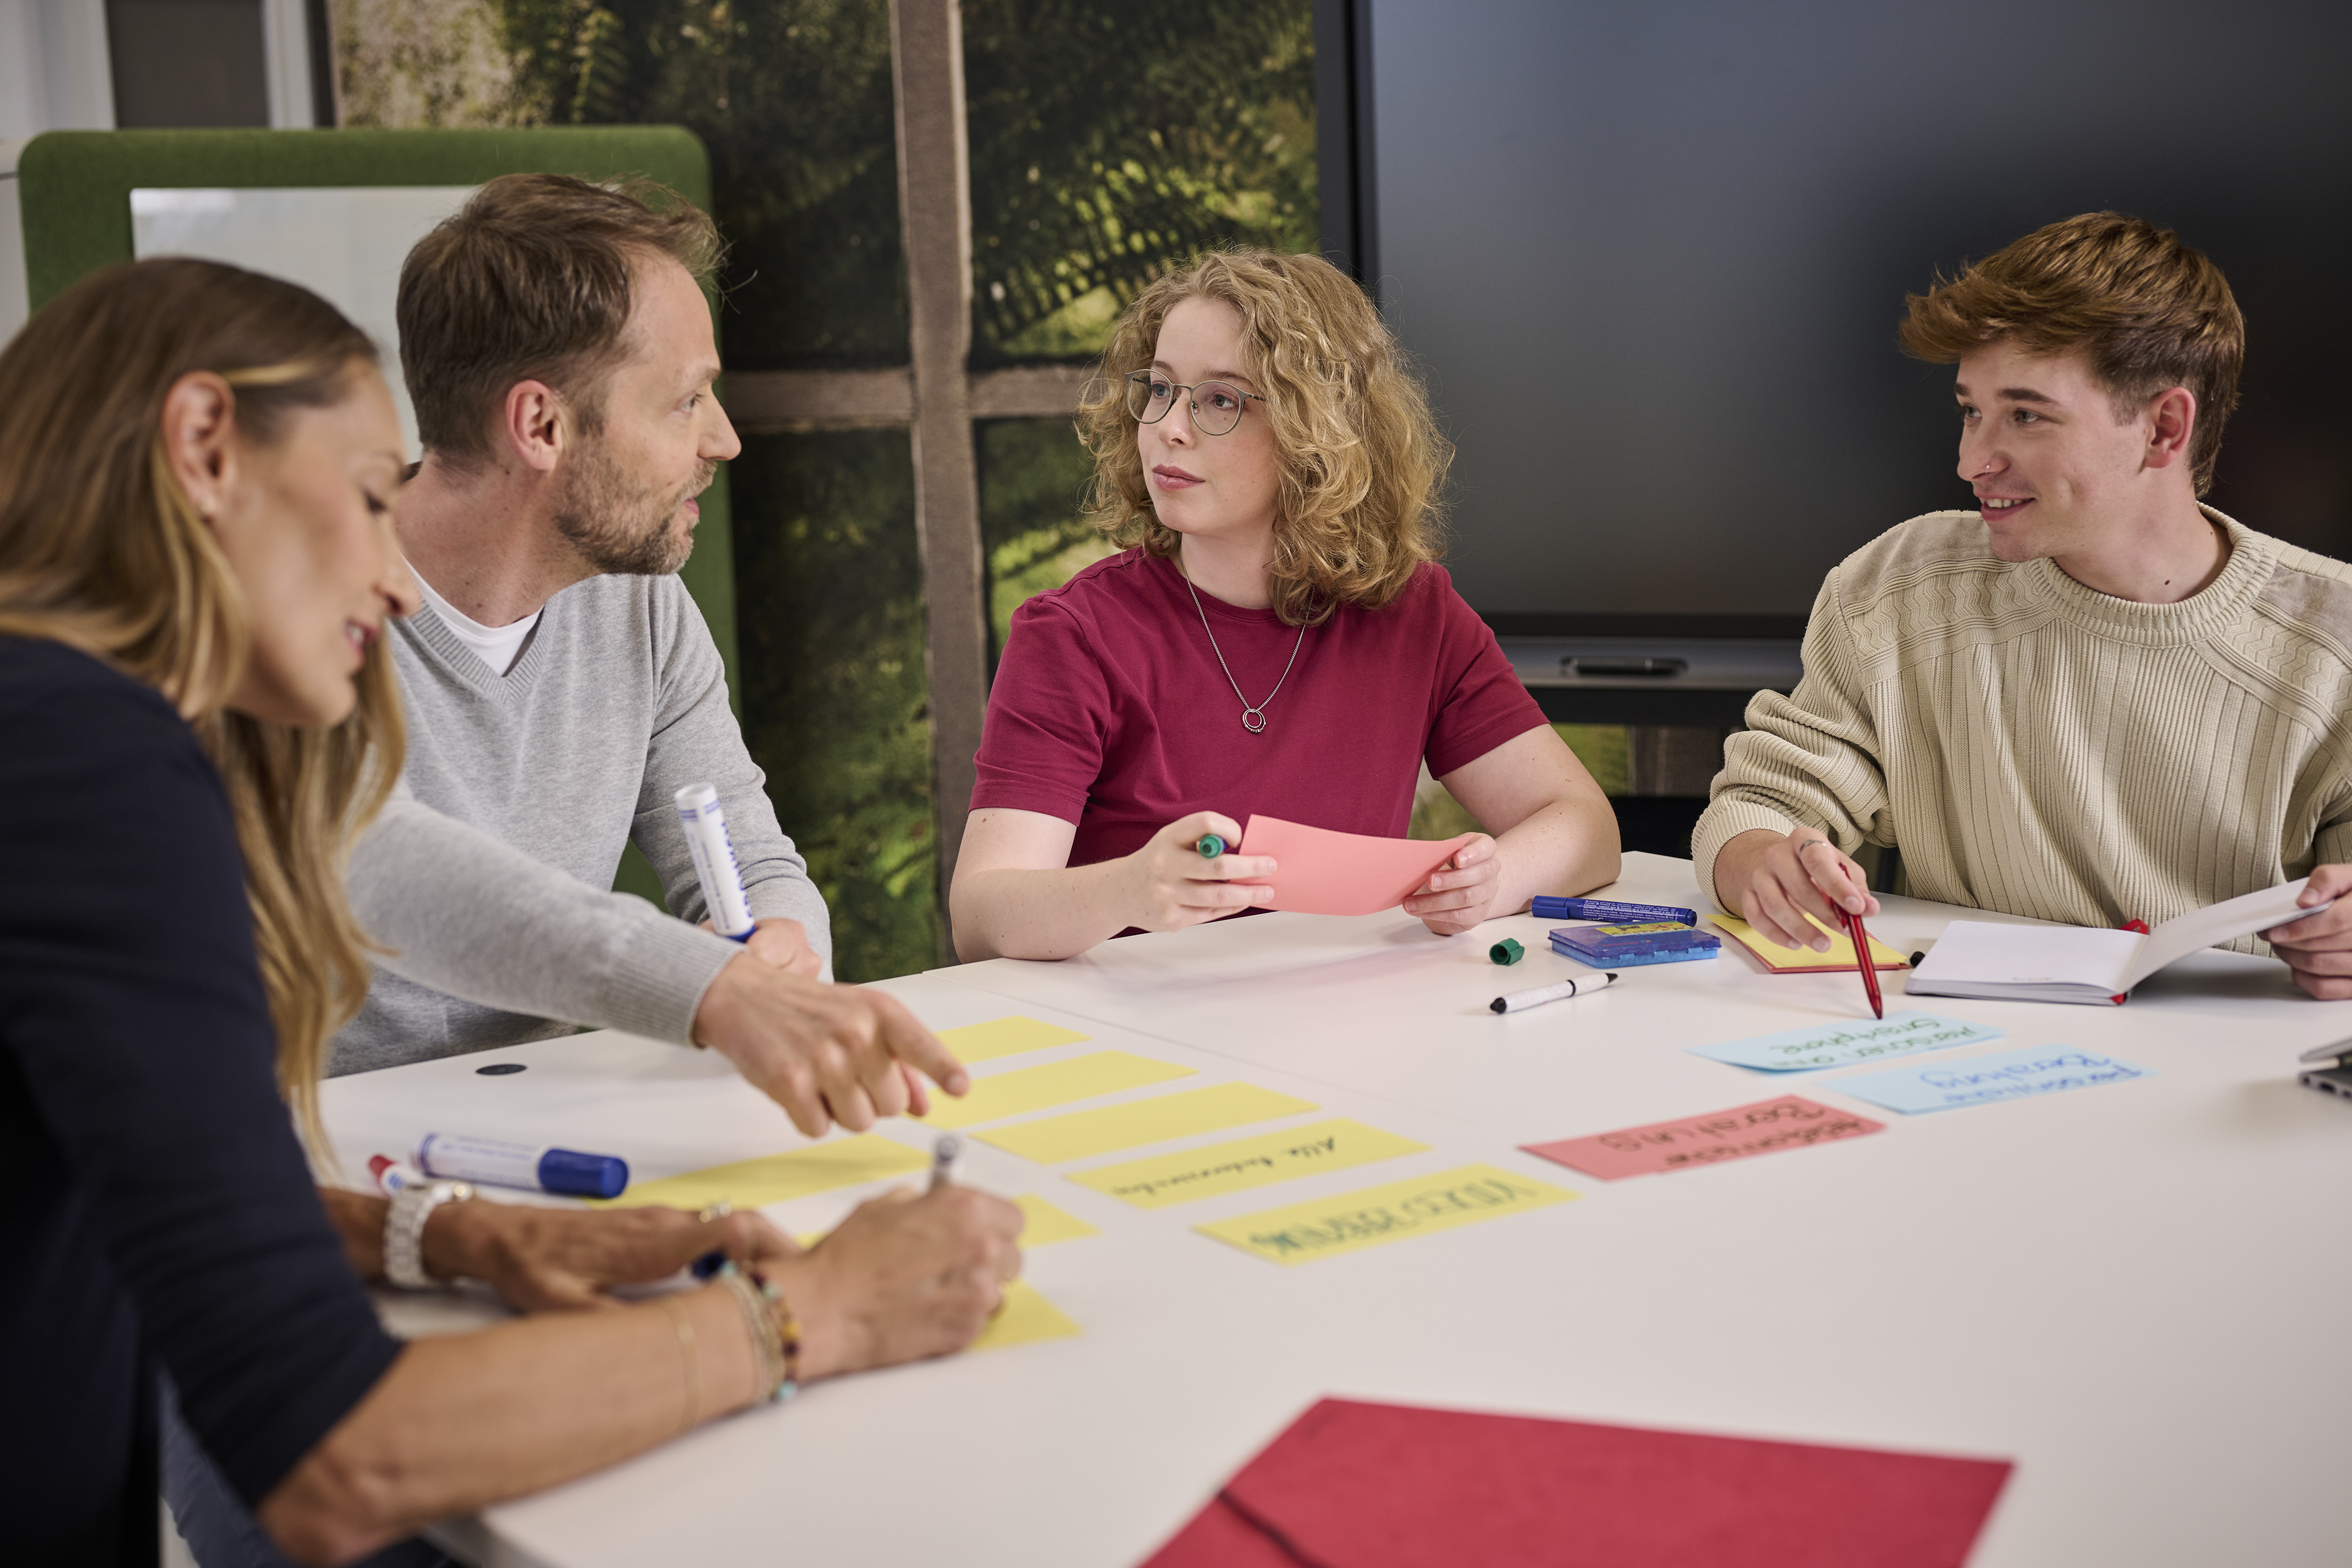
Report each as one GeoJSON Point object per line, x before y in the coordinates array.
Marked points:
{"type": "Point", "coordinates": [1210, 847]}
{"type": "Point", "coordinates": [496, 1164]}
{"type": "Point", "coordinates": [714, 862]}
{"type": "Point", "coordinates": [1551, 909]}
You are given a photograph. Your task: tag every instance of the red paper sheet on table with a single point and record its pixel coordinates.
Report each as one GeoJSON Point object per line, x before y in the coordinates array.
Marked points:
{"type": "Point", "coordinates": [1352, 1485]}
{"type": "Point", "coordinates": [1765, 1127]}
{"type": "Point", "coordinates": [1319, 872]}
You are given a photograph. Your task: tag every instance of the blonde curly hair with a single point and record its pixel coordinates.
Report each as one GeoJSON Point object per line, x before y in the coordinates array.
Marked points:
{"type": "Point", "coordinates": [1361, 460]}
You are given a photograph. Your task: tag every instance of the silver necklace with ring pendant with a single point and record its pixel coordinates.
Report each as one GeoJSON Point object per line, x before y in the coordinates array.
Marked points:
{"type": "Point", "coordinates": [1253, 713]}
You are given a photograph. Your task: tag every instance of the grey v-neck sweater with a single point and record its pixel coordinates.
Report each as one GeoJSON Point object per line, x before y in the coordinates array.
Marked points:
{"type": "Point", "coordinates": [488, 874]}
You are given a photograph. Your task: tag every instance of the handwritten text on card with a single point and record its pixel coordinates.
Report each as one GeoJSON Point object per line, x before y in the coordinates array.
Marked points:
{"type": "Point", "coordinates": [1846, 1044]}
{"type": "Point", "coordinates": [1765, 1128]}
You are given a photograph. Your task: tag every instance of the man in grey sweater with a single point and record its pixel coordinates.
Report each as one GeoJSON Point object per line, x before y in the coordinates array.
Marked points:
{"type": "Point", "coordinates": [562, 685]}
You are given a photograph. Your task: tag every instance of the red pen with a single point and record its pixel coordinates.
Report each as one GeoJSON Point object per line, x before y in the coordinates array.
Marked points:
{"type": "Point", "coordinates": [1861, 961]}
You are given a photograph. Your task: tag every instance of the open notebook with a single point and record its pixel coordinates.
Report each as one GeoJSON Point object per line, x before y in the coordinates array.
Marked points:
{"type": "Point", "coordinates": [2079, 964]}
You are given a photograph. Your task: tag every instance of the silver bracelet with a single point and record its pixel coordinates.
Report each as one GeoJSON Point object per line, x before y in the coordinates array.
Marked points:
{"type": "Point", "coordinates": [403, 1231]}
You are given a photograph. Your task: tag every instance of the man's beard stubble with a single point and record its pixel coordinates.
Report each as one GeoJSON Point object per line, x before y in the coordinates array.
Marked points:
{"type": "Point", "coordinates": [621, 527]}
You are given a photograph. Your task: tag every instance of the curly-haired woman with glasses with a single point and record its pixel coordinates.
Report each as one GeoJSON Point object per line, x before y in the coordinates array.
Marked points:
{"type": "Point", "coordinates": [1277, 639]}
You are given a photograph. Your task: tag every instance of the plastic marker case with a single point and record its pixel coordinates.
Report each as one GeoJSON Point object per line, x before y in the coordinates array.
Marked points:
{"type": "Point", "coordinates": [1653, 942]}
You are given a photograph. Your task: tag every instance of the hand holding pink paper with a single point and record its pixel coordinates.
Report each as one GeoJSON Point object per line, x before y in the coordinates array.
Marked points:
{"type": "Point", "coordinates": [1319, 872]}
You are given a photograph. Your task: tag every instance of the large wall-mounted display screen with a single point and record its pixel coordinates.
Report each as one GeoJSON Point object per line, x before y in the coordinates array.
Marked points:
{"type": "Point", "coordinates": [1652, 258]}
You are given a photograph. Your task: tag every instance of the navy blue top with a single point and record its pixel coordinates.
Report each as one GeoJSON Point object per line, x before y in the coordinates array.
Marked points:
{"type": "Point", "coordinates": [156, 1206]}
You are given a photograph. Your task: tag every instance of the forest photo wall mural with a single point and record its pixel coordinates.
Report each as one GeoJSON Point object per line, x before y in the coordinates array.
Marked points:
{"type": "Point", "coordinates": [1108, 142]}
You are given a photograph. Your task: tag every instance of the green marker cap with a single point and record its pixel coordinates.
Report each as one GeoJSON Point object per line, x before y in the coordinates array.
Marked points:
{"type": "Point", "coordinates": [1210, 846]}
{"type": "Point", "coordinates": [1507, 951]}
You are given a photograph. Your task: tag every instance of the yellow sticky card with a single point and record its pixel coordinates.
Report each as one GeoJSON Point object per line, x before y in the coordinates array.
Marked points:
{"type": "Point", "coordinates": [1056, 1083]}
{"type": "Point", "coordinates": [1245, 1163]}
{"type": "Point", "coordinates": [1049, 1223]}
{"type": "Point", "coordinates": [1006, 1038]}
{"type": "Point", "coordinates": [1804, 959]}
{"type": "Point", "coordinates": [755, 1183]}
{"type": "Point", "coordinates": [1045, 1226]}
{"type": "Point", "coordinates": [1088, 1132]}
{"type": "Point", "coordinates": [1027, 1318]}
{"type": "Point", "coordinates": [1352, 1221]}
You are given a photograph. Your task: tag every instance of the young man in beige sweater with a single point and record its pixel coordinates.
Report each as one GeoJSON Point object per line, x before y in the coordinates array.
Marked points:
{"type": "Point", "coordinates": [2091, 700]}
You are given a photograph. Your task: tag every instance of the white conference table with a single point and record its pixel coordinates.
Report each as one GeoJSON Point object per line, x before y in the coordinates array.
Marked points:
{"type": "Point", "coordinates": [2134, 1291]}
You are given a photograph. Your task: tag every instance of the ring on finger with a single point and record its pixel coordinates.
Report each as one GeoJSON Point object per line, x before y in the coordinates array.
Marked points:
{"type": "Point", "coordinates": [717, 1211]}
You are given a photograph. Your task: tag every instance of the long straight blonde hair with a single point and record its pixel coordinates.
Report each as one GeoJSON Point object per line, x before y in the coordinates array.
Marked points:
{"type": "Point", "coordinates": [101, 548]}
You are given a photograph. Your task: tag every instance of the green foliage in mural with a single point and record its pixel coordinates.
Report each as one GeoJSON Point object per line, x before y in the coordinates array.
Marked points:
{"type": "Point", "coordinates": [1109, 141]}
{"type": "Point", "coordinates": [792, 97]}
{"type": "Point", "coordinates": [830, 611]}
{"type": "Point", "coordinates": [1032, 473]}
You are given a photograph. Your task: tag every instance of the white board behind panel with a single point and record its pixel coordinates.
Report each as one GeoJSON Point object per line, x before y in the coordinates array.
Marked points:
{"type": "Point", "coordinates": [342, 243]}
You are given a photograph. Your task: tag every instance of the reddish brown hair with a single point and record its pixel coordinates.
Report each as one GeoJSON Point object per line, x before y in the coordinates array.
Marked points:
{"type": "Point", "coordinates": [529, 281]}
{"type": "Point", "coordinates": [2148, 313]}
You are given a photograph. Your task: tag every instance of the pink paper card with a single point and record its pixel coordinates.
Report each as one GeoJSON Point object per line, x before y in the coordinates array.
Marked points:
{"type": "Point", "coordinates": [1324, 873]}
{"type": "Point", "coordinates": [1765, 1127]}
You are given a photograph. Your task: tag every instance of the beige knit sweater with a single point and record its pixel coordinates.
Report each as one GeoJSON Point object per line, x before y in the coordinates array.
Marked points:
{"type": "Point", "coordinates": [2033, 746]}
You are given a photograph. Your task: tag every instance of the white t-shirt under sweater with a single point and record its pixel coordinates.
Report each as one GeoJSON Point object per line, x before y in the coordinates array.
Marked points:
{"type": "Point", "coordinates": [498, 647]}
{"type": "Point", "coordinates": [2040, 748]}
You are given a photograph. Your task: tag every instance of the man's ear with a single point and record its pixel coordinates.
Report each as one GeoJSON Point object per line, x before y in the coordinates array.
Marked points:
{"type": "Point", "coordinates": [535, 425]}
{"type": "Point", "coordinates": [2172, 421]}
{"type": "Point", "coordinates": [200, 440]}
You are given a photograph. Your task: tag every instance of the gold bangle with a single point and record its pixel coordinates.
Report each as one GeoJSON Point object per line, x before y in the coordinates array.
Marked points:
{"type": "Point", "coordinates": [685, 1327]}
{"type": "Point", "coordinates": [767, 1372]}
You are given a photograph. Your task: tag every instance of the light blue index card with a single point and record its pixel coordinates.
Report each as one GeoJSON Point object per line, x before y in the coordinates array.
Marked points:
{"type": "Point", "coordinates": [1979, 1081]}
{"type": "Point", "coordinates": [1844, 1045]}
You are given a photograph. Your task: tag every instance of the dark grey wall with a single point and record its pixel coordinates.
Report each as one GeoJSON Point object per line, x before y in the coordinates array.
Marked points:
{"type": "Point", "coordinates": [180, 63]}
{"type": "Point", "coordinates": [1653, 256]}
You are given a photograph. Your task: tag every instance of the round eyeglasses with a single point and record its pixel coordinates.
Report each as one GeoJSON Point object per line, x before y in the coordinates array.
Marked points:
{"type": "Point", "coordinates": [1217, 406]}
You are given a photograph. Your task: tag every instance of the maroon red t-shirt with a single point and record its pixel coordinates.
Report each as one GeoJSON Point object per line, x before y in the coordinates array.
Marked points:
{"type": "Point", "coordinates": [1109, 711]}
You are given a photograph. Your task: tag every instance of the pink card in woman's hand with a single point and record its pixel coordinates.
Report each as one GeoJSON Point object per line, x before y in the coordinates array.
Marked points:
{"type": "Point", "coordinates": [1319, 872]}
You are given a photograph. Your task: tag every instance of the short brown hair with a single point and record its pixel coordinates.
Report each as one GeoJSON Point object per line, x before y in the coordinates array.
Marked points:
{"type": "Point", "coordinates": [529, 281]}
{"type": "Point", "coordinates": [2147, 312]}
{"type": "Point", "coordinates": [1361, 460]}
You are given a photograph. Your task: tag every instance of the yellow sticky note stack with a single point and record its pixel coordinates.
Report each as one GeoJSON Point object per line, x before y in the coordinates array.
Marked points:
{"type": "Point", "coordinates": [1027, 1318]}
{"type": "Point", "coordinates": [1056, 1083]}
{"type": "Point", "coordinates": [1804, 959]}
{"type": "Point", "coordinates": [1088, 1133]}
{"type": "Point", "coordinates": [1006, 1038]}
{"type": "Point", "coordinates": [1245, 1163]}
{"type": "Point", "coordinates": [1047, 1224]}
{"type": "Point", "coordinates": [1353, 1221]}
{"type": "Point", "coordinates": [755, 1183]}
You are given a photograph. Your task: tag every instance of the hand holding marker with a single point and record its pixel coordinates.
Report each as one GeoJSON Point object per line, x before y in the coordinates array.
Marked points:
{"type": "Point", "coordinates": [699, 814]}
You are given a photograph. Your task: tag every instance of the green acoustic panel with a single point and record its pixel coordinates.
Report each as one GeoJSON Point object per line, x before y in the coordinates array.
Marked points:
{"type": "Point", "coordinates": [74, 192]}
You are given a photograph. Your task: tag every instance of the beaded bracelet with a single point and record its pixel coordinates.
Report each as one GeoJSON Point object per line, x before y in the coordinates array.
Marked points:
{"type": "Point", "coordinates": [775, 1330]}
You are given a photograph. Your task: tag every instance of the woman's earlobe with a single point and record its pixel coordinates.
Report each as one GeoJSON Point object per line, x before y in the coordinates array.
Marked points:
{"type": "Point", "coordinates": [198, 429]}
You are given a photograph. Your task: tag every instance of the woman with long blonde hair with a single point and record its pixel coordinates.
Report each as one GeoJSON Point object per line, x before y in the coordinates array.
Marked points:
{"type": "Point", "coordinates": [1276, 638]}
{"type": "Point", "coordinates": [196, 471]}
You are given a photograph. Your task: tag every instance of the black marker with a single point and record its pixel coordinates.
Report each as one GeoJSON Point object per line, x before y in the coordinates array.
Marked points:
{"type": "Point", "coordinates": [1560, 992]}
